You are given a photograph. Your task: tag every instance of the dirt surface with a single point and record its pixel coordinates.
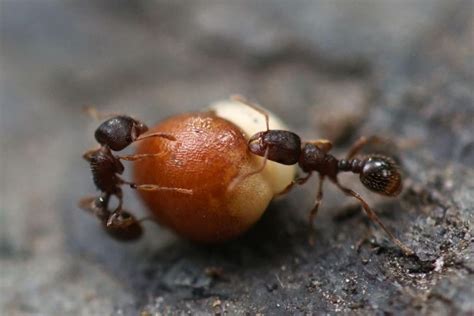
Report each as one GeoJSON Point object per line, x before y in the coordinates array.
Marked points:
{"type": "Point", "coordinates": [403, 70]}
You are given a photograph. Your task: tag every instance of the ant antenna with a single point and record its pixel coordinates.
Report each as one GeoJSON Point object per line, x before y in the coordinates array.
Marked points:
{"type": "Point", "coordinates": [238, 180]}
{"type": "Point", "coordinates": [254, 106]}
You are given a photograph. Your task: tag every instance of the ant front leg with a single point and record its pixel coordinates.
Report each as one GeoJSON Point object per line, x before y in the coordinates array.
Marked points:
{"type": "Point", "coordinates": [92, 112]}
{"type": "Point", "coordinates": [156, 134]}
{"type": "Point", "coordinates": [90, 153]}
{"type": "Point", "coordinates": [361, 143]}
{"type": "Point", "coordinates": [297, 181]}
{"type": "Point", "coordinates": [323, 144]}
{"type": "Point", "coordinates": [155, 187]}
{"type": "Point", "coordinates": [139, 156]}
{"type": "Point", "coordinates": [374, 218]}
{"type": "Point", "coordinates": [314, 210]}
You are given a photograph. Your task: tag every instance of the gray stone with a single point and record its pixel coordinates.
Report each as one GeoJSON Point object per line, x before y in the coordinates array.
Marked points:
{"type": "Point", "coordinates": [400, 69]}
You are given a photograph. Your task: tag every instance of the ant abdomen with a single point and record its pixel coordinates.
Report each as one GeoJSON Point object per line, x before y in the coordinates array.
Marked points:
{"type": "Point", "coordinates": [381, 175]}
{"type": "Point", "coordinates": [123, 226]}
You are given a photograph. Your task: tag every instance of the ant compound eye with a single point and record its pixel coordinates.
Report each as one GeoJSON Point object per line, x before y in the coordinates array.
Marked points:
{"type": "Point", "coordinates": [381, 174]}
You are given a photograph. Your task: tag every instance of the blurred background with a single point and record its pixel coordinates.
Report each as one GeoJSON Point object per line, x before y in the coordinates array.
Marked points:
{"type": "Point", "coordinates": [335, 69]}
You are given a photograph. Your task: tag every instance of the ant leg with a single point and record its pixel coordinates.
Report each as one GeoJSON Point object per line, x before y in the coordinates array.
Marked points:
{"type": "Point", "coordinates": [138, 156]}
{"type": "Point", "coordinates": [298, 181]}
{"type": "Point", "coordinates": [88, 154]}
{"type": "Point", "coordinates": [360, 143]}
{"type": "Point", "coordinates": [119, 195]}
{"type": "Point", "coordinates": [88, 204]}
{"type": "Point", "coordinates": [96, 205]}
{"type": "Point", "coordinates": [148, 218]}
{"type": "Point", "coordinates": [154, 187]}
{"type": "Point", "coordinates": [96, 115]}
{"type": "Point", "coordinates": [237, 180]}
{"type": "Point", "coordinates": [242, 100]}
{"type": "Point", "coordinates": [374, 218]}
{"type": "Point", "coordinates": [323, 144]}
{"type": "Point", "coordinates": [314, 210]}
{"type": "Point", "coordinates": [157, 134]}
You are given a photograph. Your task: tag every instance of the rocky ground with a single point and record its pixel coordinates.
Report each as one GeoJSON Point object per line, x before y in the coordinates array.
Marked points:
{"type": "Point", "coordinates": [403, 70]}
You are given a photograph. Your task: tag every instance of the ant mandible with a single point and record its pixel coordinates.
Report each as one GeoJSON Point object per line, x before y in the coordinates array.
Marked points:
{"type": "Point", "coordinates": [115, 134]}
{"type": "Point", "coordinates": [378, 173]}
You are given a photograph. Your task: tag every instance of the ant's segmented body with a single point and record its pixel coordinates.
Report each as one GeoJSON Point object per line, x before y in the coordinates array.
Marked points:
{"type": "Point", "coordinates": [115, 134]}
{"type": "Point", "coordinates": [378, 173]}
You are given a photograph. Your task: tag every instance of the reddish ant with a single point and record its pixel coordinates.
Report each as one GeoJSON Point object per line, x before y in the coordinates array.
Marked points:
{"type": "Point", "coordinates": [378, 173]}
{"type": "Point", "coordinates": [117, 133]}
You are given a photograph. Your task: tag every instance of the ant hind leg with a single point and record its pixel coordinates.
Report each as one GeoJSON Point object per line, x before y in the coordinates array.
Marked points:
{"type": "Point", "coordinates": [374, 218]}
{"type": "Point", "coordinates": [297, 181]}
{"type": "Point", "coordinates": [361, 143]}
{"type": "Point", "coordinates": [314, 210]}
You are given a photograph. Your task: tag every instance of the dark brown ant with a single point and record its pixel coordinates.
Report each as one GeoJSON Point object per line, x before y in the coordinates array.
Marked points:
{"type": "Point", "coordinates": [378, 173]}
{"type": "Point", "coordinates": [117, 133]}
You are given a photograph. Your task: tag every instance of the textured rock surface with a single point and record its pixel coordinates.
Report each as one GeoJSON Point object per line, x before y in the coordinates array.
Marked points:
{"type": "Point", "coordinates": [403, 70]}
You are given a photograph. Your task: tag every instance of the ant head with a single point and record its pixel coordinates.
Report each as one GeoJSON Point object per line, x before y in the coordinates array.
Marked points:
{"type": "Point", "coordinates": [283, 146]}
{"type": "Point", "coordinates": [123, 226]}
{"type": "Point", "coordinates": [381, 175]}
{"type": "Point", "coordinates": [119, 132]}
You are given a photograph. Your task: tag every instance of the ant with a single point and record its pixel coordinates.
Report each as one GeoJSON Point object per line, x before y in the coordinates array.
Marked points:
{"type": "Point", "coordinates": [115, 134]}
{"type": "Point", "coordinates": [378, 173]}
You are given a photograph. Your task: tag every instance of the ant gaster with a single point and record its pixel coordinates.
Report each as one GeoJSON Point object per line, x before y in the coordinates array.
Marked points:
{"type": "Point", "coordinates": [378, 173]}
{"type": "Point", "coordinates": [115, 134]}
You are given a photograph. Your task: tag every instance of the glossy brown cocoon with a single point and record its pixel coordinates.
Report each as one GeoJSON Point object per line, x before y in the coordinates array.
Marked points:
{"type": "Point", "coordinates": [209, 152]}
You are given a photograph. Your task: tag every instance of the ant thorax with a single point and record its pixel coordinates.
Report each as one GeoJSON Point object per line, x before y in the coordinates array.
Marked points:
{"type": "Point", "coordinates": [314, 159]}
{"type": "Point", "coordinates": [105, 167]}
